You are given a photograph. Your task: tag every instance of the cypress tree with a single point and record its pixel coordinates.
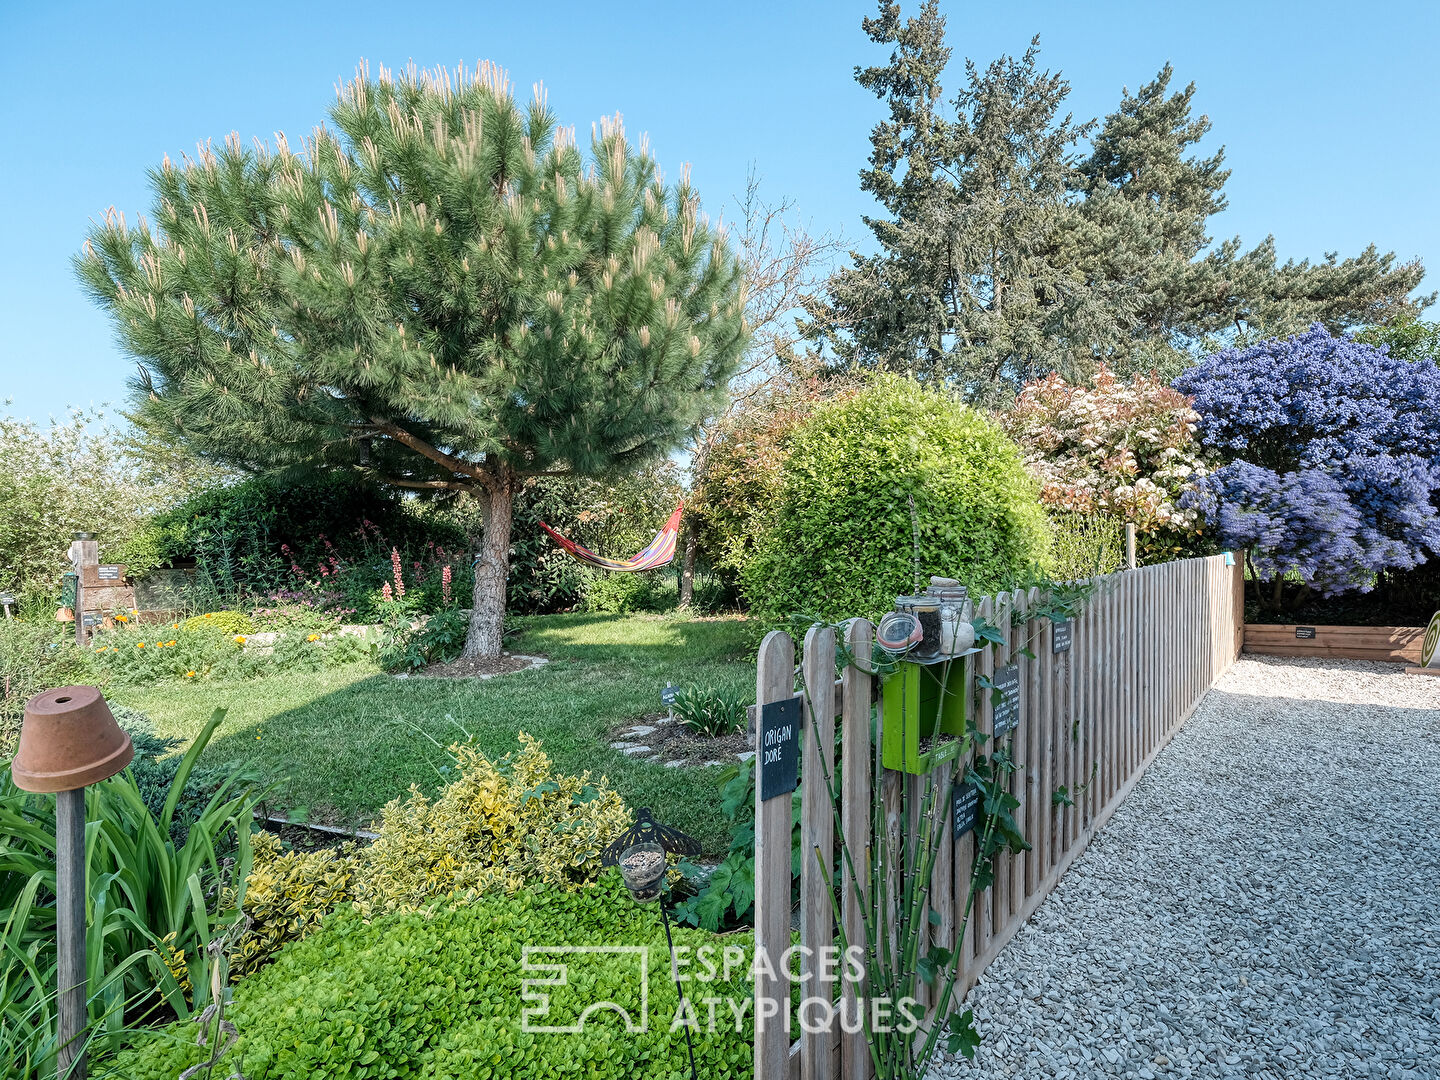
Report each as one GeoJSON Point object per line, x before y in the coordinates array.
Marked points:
{"type": "Point", "coordinates": [440, 293]}
{"type": "Point", "coordinates": [974, 283]}
{"type": "Point", "coordinates": [1146, 206]}
{"type": "Point", "coordinates": [1004, 254]}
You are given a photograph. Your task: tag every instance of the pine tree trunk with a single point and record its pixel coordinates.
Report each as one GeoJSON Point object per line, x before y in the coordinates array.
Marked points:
{"type": "Point", "coordinates": [687, 568]}
{"type": "Point", "coordinates": [487, 609]}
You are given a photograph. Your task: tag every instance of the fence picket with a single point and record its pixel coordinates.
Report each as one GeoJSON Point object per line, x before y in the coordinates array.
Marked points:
{"type": "Point", "coordinates": [855, 825]}
{"type": "Point", "coordinates": [774, 681]}
{"type": "Point", "coordinates": [817, 827]}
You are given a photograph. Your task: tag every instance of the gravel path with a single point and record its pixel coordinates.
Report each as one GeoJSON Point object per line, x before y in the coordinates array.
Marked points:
{"type": "Point", "coordinates": [1265, 904]}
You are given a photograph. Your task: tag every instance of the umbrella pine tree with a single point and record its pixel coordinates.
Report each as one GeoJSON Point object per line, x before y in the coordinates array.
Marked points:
{"type": "Point", "coordinates": [439, 292]}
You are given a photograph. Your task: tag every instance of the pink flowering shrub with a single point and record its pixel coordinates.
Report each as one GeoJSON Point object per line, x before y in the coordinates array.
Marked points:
{"type": "Point", "coordinates": [1123, 448]}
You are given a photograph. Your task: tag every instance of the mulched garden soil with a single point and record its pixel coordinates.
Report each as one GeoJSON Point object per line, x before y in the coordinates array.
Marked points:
{"type": "Point", "coordinates": [474, 667]}
{"type": "Point", "coordinates": [676, 742]}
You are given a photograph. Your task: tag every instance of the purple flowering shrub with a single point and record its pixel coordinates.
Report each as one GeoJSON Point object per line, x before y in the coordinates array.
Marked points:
{"type": "Point", "coordinates": [1334, 458]}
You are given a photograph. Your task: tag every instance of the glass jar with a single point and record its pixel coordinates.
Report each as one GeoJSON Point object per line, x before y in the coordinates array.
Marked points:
{"type": "Point", "coordinates": [927, 610]}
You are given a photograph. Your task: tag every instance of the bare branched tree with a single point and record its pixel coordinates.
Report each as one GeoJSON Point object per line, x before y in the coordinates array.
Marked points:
{"type": "Point", "coordinates": [786, 265]}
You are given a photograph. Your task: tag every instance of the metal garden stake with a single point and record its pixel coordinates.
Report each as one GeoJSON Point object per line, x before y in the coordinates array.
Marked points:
{"type": "Point", "coordinates": [640, 853]}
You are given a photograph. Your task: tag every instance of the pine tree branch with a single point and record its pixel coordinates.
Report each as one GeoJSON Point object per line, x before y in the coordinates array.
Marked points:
{"type": "Point", "coordinates": [429, 485]}
{"type": "Point", "coordinates": [424, 449]}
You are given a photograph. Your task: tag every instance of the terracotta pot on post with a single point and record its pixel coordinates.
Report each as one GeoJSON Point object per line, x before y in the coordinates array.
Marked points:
{"type": "Point", "coordinates": [69, 740]}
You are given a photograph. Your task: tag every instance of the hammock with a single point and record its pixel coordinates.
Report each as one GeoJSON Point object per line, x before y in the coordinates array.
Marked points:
{"type": "Point", "coordinates": [660, 551]}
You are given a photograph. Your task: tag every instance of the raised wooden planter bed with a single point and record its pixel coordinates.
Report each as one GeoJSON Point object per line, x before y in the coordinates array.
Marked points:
{"type": "Point", "coordinates": [1393, 644]}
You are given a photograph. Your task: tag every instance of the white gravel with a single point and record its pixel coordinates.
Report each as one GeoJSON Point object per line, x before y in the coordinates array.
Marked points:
{"type": "Point", "coordinates": [1265, 904]}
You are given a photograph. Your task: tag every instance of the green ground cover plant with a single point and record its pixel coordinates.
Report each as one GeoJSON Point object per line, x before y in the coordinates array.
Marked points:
{"type": "Point", "coordinates": [437, 992]}
{"type": "Point", "coordinates": [342, 742]}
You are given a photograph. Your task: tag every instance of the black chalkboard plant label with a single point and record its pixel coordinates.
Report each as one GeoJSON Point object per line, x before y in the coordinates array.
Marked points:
{"type": "Point", "coordinates": [1305, 632]}
{"type": "Point", "coordinates": [964, 806]}
{"type": "Point", "coordinates": [779, 750]}
{"type": "Point", "coordinates": [1062, 636]}
{"type": "Point", "coordinates": [1007, 709]}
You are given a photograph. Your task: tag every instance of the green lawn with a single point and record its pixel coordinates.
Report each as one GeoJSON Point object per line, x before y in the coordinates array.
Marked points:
{"type": "Point", "coordinates": [341, 743]}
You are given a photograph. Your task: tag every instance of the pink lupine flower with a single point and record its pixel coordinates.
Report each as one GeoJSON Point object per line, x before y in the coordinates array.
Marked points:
{"type": "Point", "coordinates": [399, 575]}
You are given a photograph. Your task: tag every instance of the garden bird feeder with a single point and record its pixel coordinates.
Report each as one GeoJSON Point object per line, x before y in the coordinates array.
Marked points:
{"type": "Point", "coordinates": [69, 740]}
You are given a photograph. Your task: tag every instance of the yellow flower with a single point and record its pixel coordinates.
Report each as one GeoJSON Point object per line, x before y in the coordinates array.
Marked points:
{"type": "Point", "coordinates": [121, 618]}
{"type": "Point", "coordinates": [171, 642]}
{"type": "Point", "coordinates": [209, 614]}
{"type": "Point", "coordinates": [174, 626]}
{"type": "Point", "coordinates": [139, 644]}
{"type": "Point", "coordinates": [239, 639]}
{"type": "Point", "coordinates": [313, 637]}
{"type": "Point", "coordinates": [101, 649]}
{"type": "Point", "coordinates": [189, 674]}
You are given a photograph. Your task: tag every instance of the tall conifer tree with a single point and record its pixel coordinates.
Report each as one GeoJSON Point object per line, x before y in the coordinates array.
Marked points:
{"type": "Point", "coordinates": [441, 293]}
{"type": "Point", "coordinates": [1004, 254]}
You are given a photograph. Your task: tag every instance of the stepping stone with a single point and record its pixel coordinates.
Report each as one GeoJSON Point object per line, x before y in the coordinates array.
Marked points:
{"type": "Point", "coordinates": [712, 763]}
{"type": "Point", "coordinates": [746, 756]}
{"type": "Point", "coordinates": [641, 729]}
{"type": "Point", "coordinates": [673, 764]}
{"type": "Point", "coordinates": [621, 745]}
{"type": "Point", "coordinates": [631, 751]}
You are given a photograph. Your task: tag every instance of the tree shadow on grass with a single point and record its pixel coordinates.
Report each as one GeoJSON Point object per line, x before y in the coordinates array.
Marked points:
{"type": "Point", "coordinates": [339, 757]}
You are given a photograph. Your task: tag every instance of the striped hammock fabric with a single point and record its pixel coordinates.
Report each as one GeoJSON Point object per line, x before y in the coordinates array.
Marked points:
{"type": "Point", "coordinates": [659, 553]}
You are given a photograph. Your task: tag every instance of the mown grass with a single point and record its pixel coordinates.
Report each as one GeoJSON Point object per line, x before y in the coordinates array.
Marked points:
{"type": "Point", "coordinates": [339, 744]}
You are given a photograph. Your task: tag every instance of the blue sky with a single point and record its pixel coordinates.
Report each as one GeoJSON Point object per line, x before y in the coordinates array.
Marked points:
{"type": "Point", "coordinates": [1327, 112]}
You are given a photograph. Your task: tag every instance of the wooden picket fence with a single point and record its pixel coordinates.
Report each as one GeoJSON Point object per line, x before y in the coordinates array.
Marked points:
{"type": "Point", "coordinates": [1148, 645]}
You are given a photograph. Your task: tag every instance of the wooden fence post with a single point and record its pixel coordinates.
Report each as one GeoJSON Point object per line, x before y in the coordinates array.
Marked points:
{"type": "Point", "coordinates": [817, 832]}
{"type": "Point", "coordinates": [855, 789]}
{"type": "Point", "coordinates": [774, 681]}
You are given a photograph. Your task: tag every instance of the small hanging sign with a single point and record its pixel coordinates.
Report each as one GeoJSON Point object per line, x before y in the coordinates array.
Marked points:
{"type": "Point", "coordinates": [1062, 636]}
{"type": "Point", "coordinates": [92, 618]}
{"type": "Point", "coordinates": [779, 747]}
{"type": "Point", "coordinates": [964, 806]}
{"type": "Point", "coordinates": [667, 695]}
{"type": "Point", "coordinates": [1305, 632]}
{"type": "Point", "coordinates": [108, 573]}
{"type": "Point", "coordinates": [1007, 711]}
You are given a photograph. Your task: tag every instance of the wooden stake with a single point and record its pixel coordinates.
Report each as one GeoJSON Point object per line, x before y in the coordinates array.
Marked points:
{"type": "Point", "coordinates": [70, 931]}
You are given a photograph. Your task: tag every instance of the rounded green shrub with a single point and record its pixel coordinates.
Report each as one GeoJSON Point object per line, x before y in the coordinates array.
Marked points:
{"type": "Point", "coordinates": [838, 540]}
{"type": "Point", "coordinates": [441, 992]}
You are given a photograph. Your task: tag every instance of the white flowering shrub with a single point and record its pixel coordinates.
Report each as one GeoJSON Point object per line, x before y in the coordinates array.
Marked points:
{"type": "Point", "coordinates": [1125, 448]}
